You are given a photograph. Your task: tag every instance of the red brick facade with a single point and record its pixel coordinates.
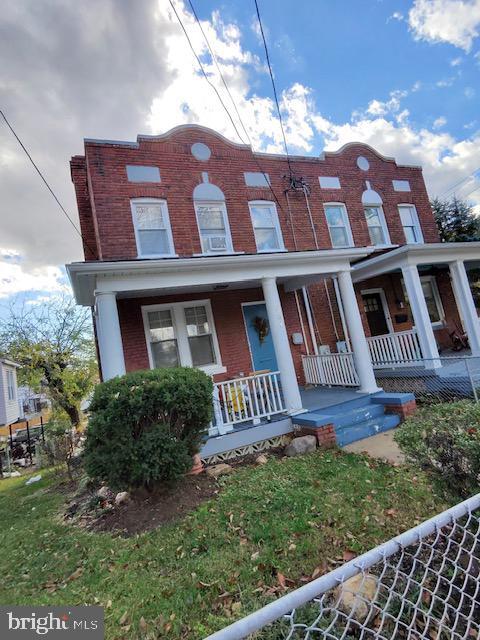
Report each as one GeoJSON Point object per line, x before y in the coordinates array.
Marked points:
{"type": "Point", "coordinates": [104, 193]}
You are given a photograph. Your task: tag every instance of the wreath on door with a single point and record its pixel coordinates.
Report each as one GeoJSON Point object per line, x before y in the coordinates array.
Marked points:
{"type": "Point", "coordinates": [261, 327]}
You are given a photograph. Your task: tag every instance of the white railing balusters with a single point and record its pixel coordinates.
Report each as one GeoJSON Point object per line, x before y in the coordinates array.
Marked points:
{"type": "Point", "coordinates": [394, 349]}
{"type": "Point", "coordinates": [330, 369]}
{"type": "Point", "coordinates": [245, 399]}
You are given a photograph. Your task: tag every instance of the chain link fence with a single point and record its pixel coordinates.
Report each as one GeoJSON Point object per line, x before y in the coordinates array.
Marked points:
{"type": "Point", "coordinates": [423, 584]}
{"type": "Point", "coordinates": [442, 379]}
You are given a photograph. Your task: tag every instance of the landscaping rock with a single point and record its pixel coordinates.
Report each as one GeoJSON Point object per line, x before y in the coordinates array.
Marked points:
{"type": "Point", "coordinates": [355, 595]}
{"type": "Point", "coordinates": [104, 493]}
{"type": "Point", "coordinates": [122, 497]}
{"type": "Point", "coordinates": [299, 446]}
{"type": "Point", "coordinates": [219, 470]}
{"type": "Point", "coordinates": [261, 459]}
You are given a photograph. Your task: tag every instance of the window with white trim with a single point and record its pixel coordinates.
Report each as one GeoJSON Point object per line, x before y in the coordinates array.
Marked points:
{"type": "Point", "coordinates": [410, 224]}
{"type": "Point", "coordinates": [377, 225]}
{"type": "Point", "coordinates": [266, 226]}
{"type": "Point", "coordinates": [432, 299]}
{"type": "Point", "coordinates": [152, 228]}
{"type": "Point", "coordinates": [338, 224]}
{"type": "Point", "coordinates": [213, 227]}
{"type": "Point", "coordinates": [182, 333]}
{"type": "Point", "coordinates": [10, 385]}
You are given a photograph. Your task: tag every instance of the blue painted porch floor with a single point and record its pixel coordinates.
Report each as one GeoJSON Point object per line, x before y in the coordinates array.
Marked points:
{"type": "Point", "coordinates": [354, 416]}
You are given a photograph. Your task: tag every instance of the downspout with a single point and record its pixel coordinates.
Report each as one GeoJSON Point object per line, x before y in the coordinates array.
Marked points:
{"type": "Point", "coordinates": [299, 311]}
{"type": "Point", "coordinates": [308, 311]}
{"type": "Point", "coordinates": [342, 313]}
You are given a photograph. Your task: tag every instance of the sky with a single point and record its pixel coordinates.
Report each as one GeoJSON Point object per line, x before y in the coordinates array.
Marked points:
{"type": "Point", "coordinates": [402, 76]}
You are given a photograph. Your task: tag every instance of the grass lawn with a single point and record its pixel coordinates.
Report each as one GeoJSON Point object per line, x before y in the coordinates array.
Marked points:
{"type": "Point", "coordinates": [271, 527]}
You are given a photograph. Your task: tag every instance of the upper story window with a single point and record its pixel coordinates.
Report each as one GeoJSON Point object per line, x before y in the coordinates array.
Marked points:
{"type": "Point", "coordinates": [410, 223]}
{"type": "Point", "coordinates": [213, 227]}
{"type": "Point", "coordinates": [140, 173]}
{"type": "Point", "coordinates": [256, 179]}
{"type": "Point", "coordinates": [10, 384]}
{"type": "Point", "coordinates": [377, 226]}
{"type": "Point", "coordinates": [152, 228]}
{"type": "Point", "coordinates": [329, 182]}
{"type": "Point", "coordinates": [401, 185]}
{"type": "Point", "coordinates": [182, 333]}
{"type": "Point", "coordinates": [268, 235]}
{"type": "Point", "coordinates": [338, 224]}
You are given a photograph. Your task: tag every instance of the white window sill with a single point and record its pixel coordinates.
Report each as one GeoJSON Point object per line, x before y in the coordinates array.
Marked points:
{"type": "Point", "coordinates": [218, 253]}
{"type": "Point", "coordinates": [381, 247]}
{"type": "Point", "coordinates": [213, 369]}
{"type": "Point", "coordinates": [158, 255]}
{"type": "Point", "coordinates": [283, 250]}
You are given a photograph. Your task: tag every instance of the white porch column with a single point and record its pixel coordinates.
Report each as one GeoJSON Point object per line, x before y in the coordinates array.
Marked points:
{"type": "Point", "coordinates": [361, 354]}
{"type": "Point", "coordinates": [291, 392]}
{"type": "Point", "coordinates": [421, 317]}
{"type": "Point", "coordinates": [465, 304]}
{"type": "Point", "coordinates": [108, 335]}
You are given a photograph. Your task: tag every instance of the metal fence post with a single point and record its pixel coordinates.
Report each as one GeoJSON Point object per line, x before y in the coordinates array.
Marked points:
{"type": "Point", "coordinates": [11, 435]}
{"type": "Point", "coordinates": [29, 445]}
{"type": "Point", "coordinates": [42, 429]}
{"type": "Point", "coordinates": [474, 389]}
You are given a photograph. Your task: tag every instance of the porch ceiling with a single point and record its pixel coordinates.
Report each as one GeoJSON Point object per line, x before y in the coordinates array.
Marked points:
{"type": "Point", "coordinates": [418, 255]}
{"type": "Point", "coordinates": [148, 277]}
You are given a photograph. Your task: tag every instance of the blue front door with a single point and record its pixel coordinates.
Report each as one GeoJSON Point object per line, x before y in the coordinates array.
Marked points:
{"type": "Point", "coordinates": [259, 337]}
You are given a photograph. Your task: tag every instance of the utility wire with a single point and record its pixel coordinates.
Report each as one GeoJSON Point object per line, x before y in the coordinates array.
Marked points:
{"type": "Point", "coordinates": [227, 90]}
{"type": "Point", "coordinates": [273, 85]}
{"type": "Point", "coordinates": [472, 191]}
{"type": "Point", "coordinates": [470, 175]}
{"type": "Point", "coordinates": [45, 181]}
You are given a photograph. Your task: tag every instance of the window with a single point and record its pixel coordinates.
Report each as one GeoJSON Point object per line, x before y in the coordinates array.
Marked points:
{"type": "Point", "coordinates": [152, 228]}
{"type": "Point", "coordinates": [182, 333]}
{"type": "Point", "coordinates": [10, 384]}
{"type": "Point", "coordinates": [401, 185]}
{"type": "Point", "coordinates": [199, 336]}
{"type": "Point", "coordinates": [432, 299]}
{"type": "Point", "coordinates": [163, 343]}
{"type": "Point", "coordinates": [213, 226]}
{"type": "Point", "coordinates": [327, 182]}
{"type": "Point", "coordinates": [138, 173]}
{"type": "Point", "coordinates": [256, 179]}
{"type": "Point", "coordinates": [377, 226]}
{"type": "Point", "coordinates": [266, 227]}
{"type": "Point", "coordinates": [410, 223]}
{"type": "Point", "coordinates": [338, 225]}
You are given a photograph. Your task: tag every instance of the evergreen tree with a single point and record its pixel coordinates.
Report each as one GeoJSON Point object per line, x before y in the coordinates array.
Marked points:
{"type": "Point", "coordinates": [456, 220]}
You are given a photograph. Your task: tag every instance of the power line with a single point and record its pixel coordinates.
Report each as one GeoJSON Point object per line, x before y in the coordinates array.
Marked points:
{"type": "Point", "coordinates": [472, 191]}
{"type": "Point", "coordinates": [62, 208]}
{"type": "Point", "coordinates": [460, 182]}
{"type": "Point", "coordinates": [228, 91]}
{"type": "Point", "coordinates": [273, 85]}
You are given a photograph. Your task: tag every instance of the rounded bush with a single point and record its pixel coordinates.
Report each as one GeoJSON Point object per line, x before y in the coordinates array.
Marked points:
{"type": "Point", "coordinates": [446, 439]}
{"type": "Point", "coordinates": [145, 426]}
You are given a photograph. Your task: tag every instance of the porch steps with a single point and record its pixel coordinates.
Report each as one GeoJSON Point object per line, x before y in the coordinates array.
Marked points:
{"type": "Point", "coordinates": [352, 420]}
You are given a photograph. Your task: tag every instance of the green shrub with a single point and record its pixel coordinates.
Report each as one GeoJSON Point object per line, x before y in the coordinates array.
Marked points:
{"type": "Point", "coordinates": [145, 426]}
{"type": "Point", "coordinates": [446, 438]}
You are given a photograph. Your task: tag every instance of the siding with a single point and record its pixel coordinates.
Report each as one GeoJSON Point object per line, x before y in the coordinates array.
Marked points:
{"type": "Point", "coordinates": [9, 411]}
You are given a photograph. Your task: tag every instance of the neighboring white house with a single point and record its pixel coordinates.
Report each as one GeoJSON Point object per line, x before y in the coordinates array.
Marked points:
{"type": "Point", "coordinates": [31, 403]}
{"type": "Point", "coordinates": [9, 406]}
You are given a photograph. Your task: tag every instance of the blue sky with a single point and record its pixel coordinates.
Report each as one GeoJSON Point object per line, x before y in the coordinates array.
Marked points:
{"type": "Point", "coordinates": [402, 76]}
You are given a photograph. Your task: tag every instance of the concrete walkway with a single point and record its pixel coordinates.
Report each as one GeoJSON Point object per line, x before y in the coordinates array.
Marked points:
{"type": "Point", "coordinates": [381, 446]}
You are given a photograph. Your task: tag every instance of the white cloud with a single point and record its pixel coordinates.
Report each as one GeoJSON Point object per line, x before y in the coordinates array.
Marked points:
{"type": "Point", "coordinates": [15, 279]}
{"type": "Point", "coordinates": [454, 21]}
{"type": "Point", "coordinates": [456, 61]}
{"type": "Point", "coordinates": [440, 122]}
{"type": "Point", "coordinates": [469, 92]}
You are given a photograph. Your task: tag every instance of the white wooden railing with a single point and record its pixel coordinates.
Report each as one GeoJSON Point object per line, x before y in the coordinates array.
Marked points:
{"type": "Point", "coordinates": [394, 349]}
{"type": "Point", "coordinates": [246, 399]}
{"type": "Point", "coordinates": [332, 369]}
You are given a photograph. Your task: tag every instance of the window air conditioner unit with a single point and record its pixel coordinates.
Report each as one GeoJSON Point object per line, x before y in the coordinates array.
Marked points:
{"type": "Point", "coordinates": [323, 349]}
{"type": "Point", "coordinates": [217, 243]}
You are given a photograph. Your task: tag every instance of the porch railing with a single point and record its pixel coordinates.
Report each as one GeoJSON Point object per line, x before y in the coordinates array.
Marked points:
{"type": "Point", "coordinates": [394, 349]}
{"type": "Point", "coordinates": [247, 399]}
{"type": "Point", "coordinates": [332, 369]}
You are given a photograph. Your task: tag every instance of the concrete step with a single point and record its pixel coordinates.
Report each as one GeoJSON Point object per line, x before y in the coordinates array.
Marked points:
{"type": "Point", "coordinates": [360, 414]}
{"type": "Point", "coordinates": [351, 433]}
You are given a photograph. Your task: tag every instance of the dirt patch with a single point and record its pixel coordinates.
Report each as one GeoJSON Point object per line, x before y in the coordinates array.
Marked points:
{"type": "Point", "coordinates": [145, 511]}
